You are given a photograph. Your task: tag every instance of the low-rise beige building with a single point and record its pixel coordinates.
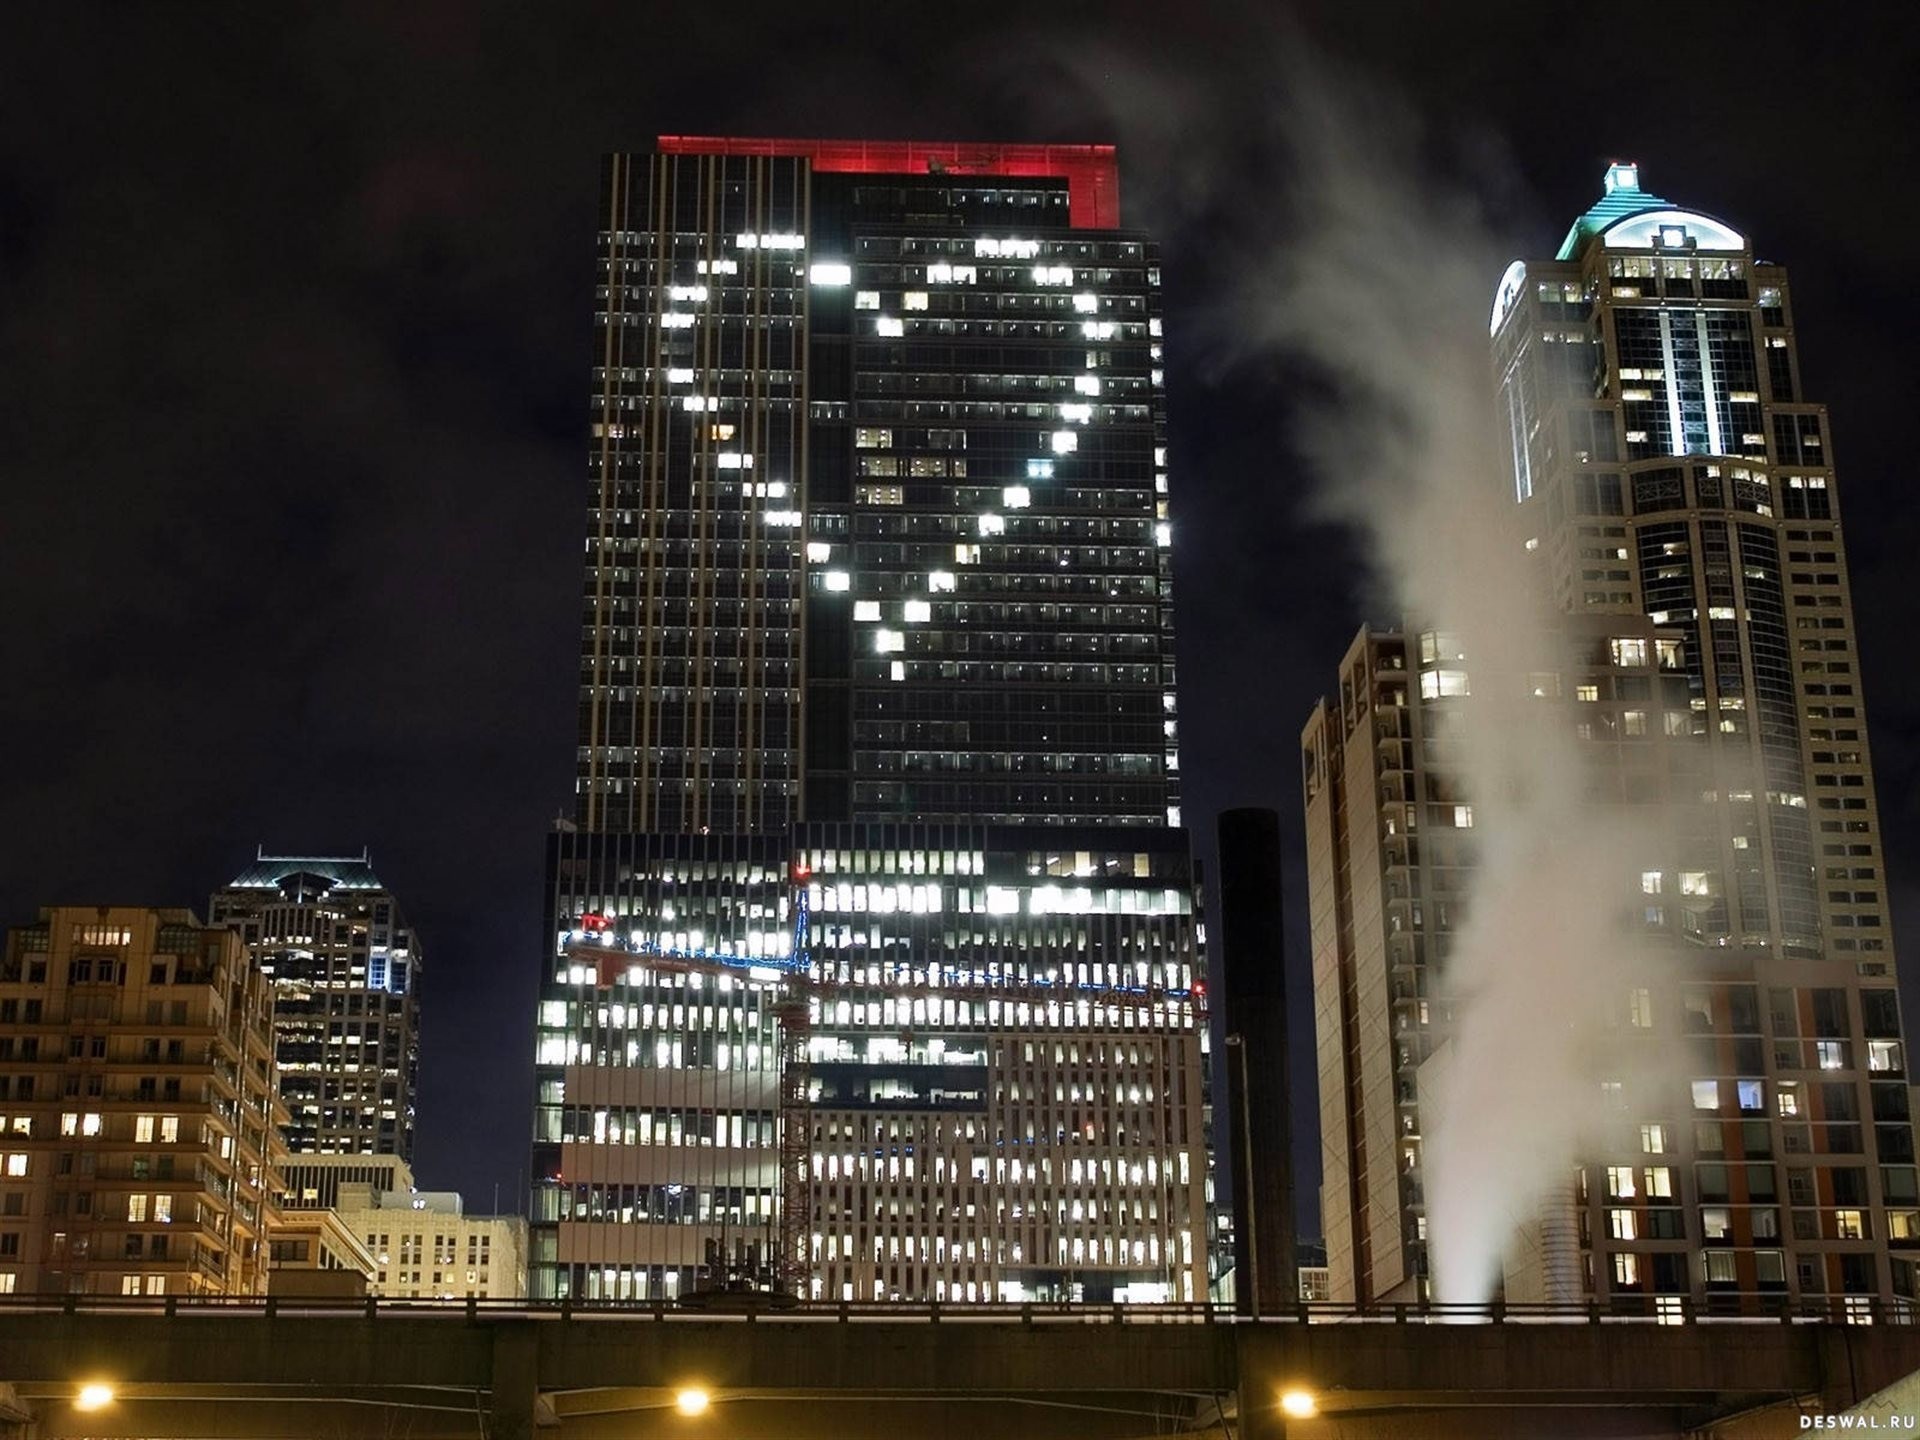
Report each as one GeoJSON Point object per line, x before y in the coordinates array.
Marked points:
{"type": "Point", "coordinates": [425, 1247]}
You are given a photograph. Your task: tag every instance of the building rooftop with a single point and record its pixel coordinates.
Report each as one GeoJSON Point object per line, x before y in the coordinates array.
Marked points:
{"type": "Point", "coordinates": [1661, 220]}
{"type": "Point", "coordinates": [1091, 171]}
{"type": "Point", "coordinates": [308, 876]}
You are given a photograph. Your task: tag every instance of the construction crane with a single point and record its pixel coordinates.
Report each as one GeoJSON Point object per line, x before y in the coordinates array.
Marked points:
{"type": "Point", "coordinates": [795, 985]}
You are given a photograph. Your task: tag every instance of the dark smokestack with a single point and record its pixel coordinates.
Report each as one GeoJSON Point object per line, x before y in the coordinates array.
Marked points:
{"type": "Point", "coordinates": [1254, 971]}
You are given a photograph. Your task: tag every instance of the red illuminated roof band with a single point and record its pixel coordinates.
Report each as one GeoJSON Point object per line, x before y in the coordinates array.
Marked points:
{"type": "Point", "coordinates": [1091, 172]}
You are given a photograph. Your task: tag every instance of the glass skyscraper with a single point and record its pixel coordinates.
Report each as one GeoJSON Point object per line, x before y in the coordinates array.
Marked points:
{"type": "Point", "coordinates": [878, 620]}
{"type": "Point", "coordinates": [1677, 488]}
{"type": "Point", "coordinates": [345, 969]}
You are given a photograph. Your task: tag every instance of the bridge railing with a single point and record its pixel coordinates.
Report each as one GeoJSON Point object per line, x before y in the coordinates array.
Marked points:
{"type": "Point", "coordinates": [1717, 1309]}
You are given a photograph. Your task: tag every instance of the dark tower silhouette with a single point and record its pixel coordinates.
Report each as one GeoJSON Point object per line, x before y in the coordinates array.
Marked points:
{"type": "Point", "coordinates": [1254, 970]}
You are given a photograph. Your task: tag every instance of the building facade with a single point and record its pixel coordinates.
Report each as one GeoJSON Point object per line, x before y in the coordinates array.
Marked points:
{"type": "Point", "coordinates": [314, 1182]}
{"type": "Point", "coordinates": [424, 1246]}
{"type": "Point", "coordinates": [877, 493]}
{"type": "Point", "coordinates": [1677, 489]}
{"type": "Point", "coordinates": [878, 631]}
{"type": "Point", "coordinates": [346, 972]}
{"type": "Point", "coordinates": [139, 1125]}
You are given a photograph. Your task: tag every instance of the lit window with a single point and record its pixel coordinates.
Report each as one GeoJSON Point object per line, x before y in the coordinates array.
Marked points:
{"type": "Point", "coordinates": [914, 300]}
{"type": "Point", "coordinates": [838, 580]}
{"type": "Point", "coordinates": [818, 552]}
{"type": "Point", "coordinates": [1659, 1182]}
{"type": "Point", "coordinates": [1065, 442]}
{"type": "Point", "coordinates": [1589, 693]}
{"type": "Point", "coordinates": [1653, 1138]}
{"type": "Point", "coordinates": [1622, 1224]}
{"type": "Point", "coordinates": [1629, 651]}
{"type": "Point", "coordinates": [866, 609]}
{"type": "Point", "coordinates": [866, 300]}
{"type": "Point", "coordinates": [1650, 881]}
{"type": "Point", "coordinates": [1706, 1095]}
{"type": "Point", "coordinates": [1086, 304]}
{"type": "Point", "coordinates": [1640, 1010]}
{"type": "Point", "coordinates": [1620, 1182]}
{"type": "Point", "coordinates": [1016, 497]}
{"type": "Point", "coordinates": [1463, 817]}
{"type": "Point", "coordinates": [992, 525]}
{"type": "Point", "coordinates": [1086, 384]}
{"type": "Point", "coordinates": [888, 325]}
{"type": "Point", "coordinates": [917, 612]}
{"type": "Point", "coordinates": [887, 641]}
{"type": "Point", "coordinates": [830, 272]}
{"type": "Point", "coordinates": [1039, 469]}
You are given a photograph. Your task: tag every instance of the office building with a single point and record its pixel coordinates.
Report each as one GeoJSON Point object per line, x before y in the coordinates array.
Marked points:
{"type": "Point", "coordinates": [314, 1182]}
{"type": "Point", "coordinates": [877, 492]}
{"type": "Point", "coordinates": [424, 1246]}
{"type": "Point", "coordinates": [878, 623]}
{"type": "Point", "coordinates": [1259, 1102]}
{"type": "Point", "coordinates": [1676, 487]}
{"type": "Point", "coordinates": [316, 1253]}
{"type": "Point", "coordinates": [139, 1126]}
{"type": "Point", "coordinates": [346, 975]}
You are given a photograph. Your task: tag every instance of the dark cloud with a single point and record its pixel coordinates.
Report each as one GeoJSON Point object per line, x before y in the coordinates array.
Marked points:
{"type": "Point", "coordinates": [294, 313]}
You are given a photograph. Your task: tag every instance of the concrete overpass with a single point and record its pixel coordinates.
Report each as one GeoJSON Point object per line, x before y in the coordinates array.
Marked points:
{"type": "Point", "coordinates": [435, 1372]}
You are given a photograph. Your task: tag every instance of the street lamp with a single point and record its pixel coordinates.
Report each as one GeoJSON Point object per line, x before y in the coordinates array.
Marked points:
{"type": "Point", "coordinates": [1299, 1404]}
{"type": "Point", "coordinates": [94, 1395]}
{"type": "Point", "coordinates": [692, 1401]}
{"type": "Point", "coordinates": [1238, 1045]}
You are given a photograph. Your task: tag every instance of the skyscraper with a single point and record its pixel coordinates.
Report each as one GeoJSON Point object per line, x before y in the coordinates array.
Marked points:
{"type": "Point", "coordinates": [877, 682]}
{"type": "Point", "coordinates": [345, 970]}
{"type": "Point", "coordinates": [1677, 490]}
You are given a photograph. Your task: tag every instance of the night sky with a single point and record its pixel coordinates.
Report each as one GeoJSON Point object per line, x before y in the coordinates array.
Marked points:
{"type": "Point", "coordinates": [294, 321]}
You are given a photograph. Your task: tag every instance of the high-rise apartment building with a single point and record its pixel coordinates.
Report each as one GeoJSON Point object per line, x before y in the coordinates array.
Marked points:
{"type": "Point", "coordinates": [346, 972]}
{"type": "Point", "coordinates": [1677, 490]}
{"type": "Point", "coordinates": [139, 1127]}
{"type": "Point", "coordinates": [876, 684]}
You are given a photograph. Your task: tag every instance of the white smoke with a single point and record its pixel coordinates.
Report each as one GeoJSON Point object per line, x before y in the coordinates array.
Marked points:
{"type": "Point", "coordinates": [1383, 282]}
{"type": "Point", "coordinates": [1375, 275]}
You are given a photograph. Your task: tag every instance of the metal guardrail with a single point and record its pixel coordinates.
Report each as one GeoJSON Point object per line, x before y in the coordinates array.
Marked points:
{"type": "Point", "coordinates": [1744, 1309]}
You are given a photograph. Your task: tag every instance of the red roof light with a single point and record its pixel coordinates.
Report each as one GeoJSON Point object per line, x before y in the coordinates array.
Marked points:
{"type": "Point", "coordinates": [1091, 171]}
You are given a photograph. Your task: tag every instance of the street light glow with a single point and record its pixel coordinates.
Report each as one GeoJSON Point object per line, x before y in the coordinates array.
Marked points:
{"type": "Point", "coordinates": [692, 1401]}
{"type": "Point", "coordinates": [1299, 1404]}
{"type": "Point", "coordinates": [95, 1395]}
